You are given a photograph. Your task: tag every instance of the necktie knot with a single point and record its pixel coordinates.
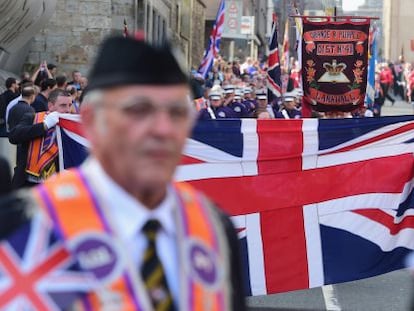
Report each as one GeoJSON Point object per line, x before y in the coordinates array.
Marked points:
{"type": "Point", "coordinates": [151, 228]}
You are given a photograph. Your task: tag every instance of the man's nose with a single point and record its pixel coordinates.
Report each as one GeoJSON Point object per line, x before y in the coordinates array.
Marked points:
{"type": "Point", "coordinates": [162, 123]}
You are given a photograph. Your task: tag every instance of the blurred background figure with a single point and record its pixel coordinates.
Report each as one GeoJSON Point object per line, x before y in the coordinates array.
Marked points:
{"type": "Point", "coordinates": [263, 105]}
{"type": "Point", "coordinates": [5, 177]}
{"type": "Point", "coordinates": [52, 69]}
{"type": "Point", "coordinates": [41, 100]}
{"type": "Point", "coordinates": [12, 91]}
{"type": "Point", "coordinates": [386, 80]}
{"type": "Point", "coordinates": [76, 79]}
{"type": "Point", "coordinates": [41, 73]}
{"type": "Point", "coordinates": [61, 82]}
{"type": "Point", "coordinates": [74, 93]}
{"type": "Point", "coordinates": [289, 108]}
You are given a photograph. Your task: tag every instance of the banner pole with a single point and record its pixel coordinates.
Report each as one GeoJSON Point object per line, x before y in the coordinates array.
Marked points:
{"type": "Point", "coordinates": [338, 17]}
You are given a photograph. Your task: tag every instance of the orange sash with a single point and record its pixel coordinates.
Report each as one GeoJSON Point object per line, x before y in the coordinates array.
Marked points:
{"type": "Point", "coordinates": [82, 222]}
{"type": "Point", "coordinates": [205, 256]}
{"type": "Point", "coordinates": [42, 152]}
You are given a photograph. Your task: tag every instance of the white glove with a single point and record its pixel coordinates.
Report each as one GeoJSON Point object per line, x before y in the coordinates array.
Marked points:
{"type": "Point", "coordinates": [51, 119]}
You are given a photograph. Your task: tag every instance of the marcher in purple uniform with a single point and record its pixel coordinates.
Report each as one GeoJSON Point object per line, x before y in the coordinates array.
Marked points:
{"type": "Point", "coordinates": [215, 107]}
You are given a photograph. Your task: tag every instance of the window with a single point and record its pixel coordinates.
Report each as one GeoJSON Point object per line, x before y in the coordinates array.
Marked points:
{"type": "Point", "coordinates": [177, 18]}
{"type": "Point", "coordinates": [154, 26]}
{"type": "Point", "coordinates": [164, 30]}
{"type": "Point", "coordinates": [147, 26]}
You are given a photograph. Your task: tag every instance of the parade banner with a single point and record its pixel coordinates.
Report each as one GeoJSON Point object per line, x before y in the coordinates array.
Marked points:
{"type": "Point", "coordinates": [309, 197]}
{"type": "Point", "coordinates": [335, 62]}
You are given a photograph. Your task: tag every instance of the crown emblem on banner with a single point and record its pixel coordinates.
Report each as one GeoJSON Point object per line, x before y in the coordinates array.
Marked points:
{"type": "Point", "coordinates": [334, 68]}
{"type": "Point", "coordinates": [334, 73]}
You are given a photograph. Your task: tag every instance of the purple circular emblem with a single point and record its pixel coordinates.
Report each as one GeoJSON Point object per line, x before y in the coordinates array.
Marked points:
{"type": "Point", "coordinates": [97, 255]}
{"type": "Point", "coordinates": [203, 264]}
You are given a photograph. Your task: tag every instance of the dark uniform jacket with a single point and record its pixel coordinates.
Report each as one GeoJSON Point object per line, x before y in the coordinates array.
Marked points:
{"type": "Point", "coordinates": [224, 112]}
{"type": "Point", "coordinates": [293, 114]}
{"type": "Point", "coordinates": [22, 131]}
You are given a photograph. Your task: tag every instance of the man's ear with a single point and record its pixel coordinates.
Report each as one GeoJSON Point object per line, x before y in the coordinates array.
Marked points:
{"type": "Point", "coordinates": [87, 116]}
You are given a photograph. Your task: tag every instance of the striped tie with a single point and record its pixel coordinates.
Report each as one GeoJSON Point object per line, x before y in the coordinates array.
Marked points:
{"type": "Point", "coordinates": [153, 273]}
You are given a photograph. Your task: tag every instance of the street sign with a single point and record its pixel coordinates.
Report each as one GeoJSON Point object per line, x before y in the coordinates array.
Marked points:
{"type": "Point", "coordinates": [247, 25]}
{"type": "Point", "coordinates": [232, 19]}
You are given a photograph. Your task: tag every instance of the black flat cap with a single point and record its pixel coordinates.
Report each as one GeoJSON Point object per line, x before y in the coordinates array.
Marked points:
{"type": "Point", "coordinates": [126, 61]}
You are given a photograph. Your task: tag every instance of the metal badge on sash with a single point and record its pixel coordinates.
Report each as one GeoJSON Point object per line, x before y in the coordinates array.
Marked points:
{"type": "Point", "coordinates": [203, 264]}
{"type": "Point", "coordinates": [98, 254]}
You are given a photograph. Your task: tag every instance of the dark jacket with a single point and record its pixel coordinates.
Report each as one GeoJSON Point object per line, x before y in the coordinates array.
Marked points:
{"type": "Point", "coordinates": [22, 131]}
{"type": "Point", "coordinates": [5, 177]}
{"type": "Point", "coordinates": [5, 99]}
{"type": "Point", "coordinates": [40, 103]}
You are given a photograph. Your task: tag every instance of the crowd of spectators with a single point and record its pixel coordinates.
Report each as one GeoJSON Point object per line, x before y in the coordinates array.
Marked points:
{"type": "Point", "coordinates": [239, 90]}
{"type": "Point", "coordinates": [43, 80]}
{"type": "Point", "coordinates": [29, 112]}
{"type": "Point", "coordinates": [231, 90]}
{"type": "Point", "coordinates": [393, 81]}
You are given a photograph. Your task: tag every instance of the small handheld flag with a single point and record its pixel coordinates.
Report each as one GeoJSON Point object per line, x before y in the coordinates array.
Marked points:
{"type": "Point", "coordinates": [286, 56]}
{"type": "Point", "coordinates": [125, 32]}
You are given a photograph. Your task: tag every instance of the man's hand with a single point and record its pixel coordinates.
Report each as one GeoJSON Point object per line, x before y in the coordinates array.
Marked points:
{"type": "Point", "coordinates": [229, 99]}
{"type": "Point", "coordinates": [51, 119]}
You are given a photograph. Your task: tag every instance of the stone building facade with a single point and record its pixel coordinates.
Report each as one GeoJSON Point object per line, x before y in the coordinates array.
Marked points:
{"type": "Point", "coordinates": [398, 36]}
{"type": "Point", "coordinates": [239, 45]}
{"type": "Point", "coordinates": [75, 30]}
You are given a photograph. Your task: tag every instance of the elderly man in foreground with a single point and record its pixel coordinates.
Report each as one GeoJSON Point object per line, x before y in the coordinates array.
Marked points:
{"type": "Point", "coordinates": [143, 241]}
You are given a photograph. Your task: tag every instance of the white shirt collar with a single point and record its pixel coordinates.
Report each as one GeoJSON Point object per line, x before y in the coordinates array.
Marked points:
{"type": "Point", "coordinates": [128, 213]}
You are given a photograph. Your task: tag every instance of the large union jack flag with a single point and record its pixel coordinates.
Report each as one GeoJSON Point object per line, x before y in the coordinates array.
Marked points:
{"type": "Point", "coordinates": [213, 47]}
{"type": "Point", "coordinates": [273, 71]}
{"type": "Point", "coordinates": [315, 201]}
{"type": "Point", "coordinates": [37, 272]}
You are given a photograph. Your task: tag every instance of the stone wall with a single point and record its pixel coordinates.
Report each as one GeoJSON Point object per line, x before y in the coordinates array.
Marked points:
{"type": "Point", "coordinates": [72, 36]}
{"type": "Point", "coordinates": [198, 30]}
{"type": "Point", "coordinates": [191, 41]}
{"type": "Point", "coordinates": [397, 32]}
{"type": "Point", "coordinates": [120, 10]}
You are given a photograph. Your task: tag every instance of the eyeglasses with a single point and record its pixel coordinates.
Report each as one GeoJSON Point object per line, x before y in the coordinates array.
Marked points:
{"type": "Point", "coordinates": [145, 108]}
